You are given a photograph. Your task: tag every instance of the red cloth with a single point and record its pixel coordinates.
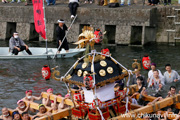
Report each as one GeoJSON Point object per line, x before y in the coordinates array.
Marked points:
{"type": "Point", "coordinates": [39, 17]}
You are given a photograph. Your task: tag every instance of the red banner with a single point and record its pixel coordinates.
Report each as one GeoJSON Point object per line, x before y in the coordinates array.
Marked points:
{"type": "Point", "coordinates": [39, 17]}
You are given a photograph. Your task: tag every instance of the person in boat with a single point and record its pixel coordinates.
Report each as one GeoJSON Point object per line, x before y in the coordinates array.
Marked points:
{"type": "Point", "coordinates": [16, 45]}
{"type": "Point", "coordinates": [22, 107]}
{"type": "Point", "coordinates": [120, 90]}
{"type": "Point", "coordinates": [156, 82]}
{"type": "Point", "coordinates": [43, 111]}
{"type": "Point", "coordinates": [25, 116]}
{"type": "Point", "coordinates": [141, 100]}
{"type": "Point", "coordinates": [137, 74]}
{"type": "Point", "coordinates": [5, 114]}
{"type": "Point", "coordinates": [140, 86]}
{"type": "Point", "coordinates": [30, 97]}
{"type": "Point", "coordinates": [16, 115]}
{"type": "Point", "coordinates": [150, 73]}
{"type": "Point", "coordinates": [170, 75]}
{"type": "Point", "coordinates": [61, 32]}
{"type": "Point", "coordinates": [47, 101]}
{"type": "Point", "coordinates": [172, 91]}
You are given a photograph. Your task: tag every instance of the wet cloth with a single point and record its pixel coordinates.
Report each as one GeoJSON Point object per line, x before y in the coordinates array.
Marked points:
{"type": "Point", "coordinates": [171, 77]}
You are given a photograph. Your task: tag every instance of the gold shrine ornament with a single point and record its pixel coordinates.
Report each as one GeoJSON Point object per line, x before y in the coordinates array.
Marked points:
{"type": "Point", "coordinates": [110, 70]}
{"type": "Point", "coordinates": [85, 73]}
{"type": "Point", "coordinates": [103, 63]}
{"type": "Point", "coordinates": [102, 72]}
{"type": "Point", "coordinates": [79, 73]}
{"type": "Point", "coordinates": [84, 65]}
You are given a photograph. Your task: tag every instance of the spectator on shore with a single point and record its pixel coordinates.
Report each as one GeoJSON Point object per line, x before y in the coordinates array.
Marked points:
{"type": "Point", "coordinates": [16, 45]}
{"type": "Point", "coordinates": [51, 1]}
{"type": "Point", "coordinates": [156, 82]}
{"type": "Point", "coordinates": [137, 74]}
{"type": "Point", "coordinates": [19, 1]}
{"type": "Point", "coordinates": [170, 75]}
{"type": "Point", "coordinates": [22, 107]}
{"type": "Point", "coordinates": [128, 2]}
{"type": "Point", "coordinates": [73, 5]}
{"type": "Point", "coordinates": [150, 73]}
{"type": "Point", "coordinates": [153, 2]}
{"type": "Point", "coordinates": [167, 2]}
{"type": "Point", "coordinates": [5, 114]}
{"type": "Point", "coordinates": [28, 2]}
{"type": "Point", "coordinates": [16, 115]}
{"type": "Point", "coordinates": [4, 1]}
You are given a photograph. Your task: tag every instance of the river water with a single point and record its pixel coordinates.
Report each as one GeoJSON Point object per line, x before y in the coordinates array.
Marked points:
{"type": "Point", "coordinates": [17, 76]}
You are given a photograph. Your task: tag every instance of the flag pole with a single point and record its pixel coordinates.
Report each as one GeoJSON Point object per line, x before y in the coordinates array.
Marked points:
{"type": "Point", "coordinates": [45, 26]}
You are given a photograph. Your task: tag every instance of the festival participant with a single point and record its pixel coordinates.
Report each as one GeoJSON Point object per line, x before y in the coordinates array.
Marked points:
{"type": "Point", "coordinates": [150, 73]}
{"type": "Point", "coordinates": [170, 75]}
{"type": "Point", "coordinates": [5, 114]}
{"type": "Point", "coordinates": [22, 107]}
{"type": "Point", "coordinates": [137, 74]}
{"type": "Point", "coordinates": [141, 100]}
{"type": "Point", "coordinates": [16, 45]}
{"type": "Point", "coordinates": [120, 91]}
{"type": "Point", "coordinates": [60, 32]}
{"type": "Point", "coordinates": [25, 116]}
{"type": "Point", "coordinates": [156, 82]}
{"type": "Point", "coordinates": [30, 97]}
{"type": "Point", "coordinates": [47, 101]}
{"type": "Point", "coordinates": [172, 91]}
{"type": "Point", "coordinates": [73, 5]}
{"type": "Point", "coordinates": [16, 115]}
{"type": "Point", "coordinates": [43, 111]}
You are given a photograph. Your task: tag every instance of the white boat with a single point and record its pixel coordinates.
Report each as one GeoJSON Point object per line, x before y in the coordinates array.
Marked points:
{"type": "Point", "coordinates": [38, 53]}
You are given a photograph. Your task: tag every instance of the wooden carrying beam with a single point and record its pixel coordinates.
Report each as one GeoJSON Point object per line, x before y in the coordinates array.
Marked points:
{"type": "Point", "coordinates": [59, 99]}
{"type": "Point", "coordinates": [59, 115]}
{"type": "Point", "coordinates": [149, 108]}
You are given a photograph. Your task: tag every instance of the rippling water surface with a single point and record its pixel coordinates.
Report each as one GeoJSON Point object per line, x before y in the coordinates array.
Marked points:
{"type": "Point", "coordinates": [17, 76]}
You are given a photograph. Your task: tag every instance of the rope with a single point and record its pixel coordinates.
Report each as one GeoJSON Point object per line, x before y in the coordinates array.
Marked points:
{"type": "Point", "coordinates": [65, 36]}
{"type": "Point", "coordinates": [102, 118]}
{"type": "Point", "coordinates": [127, 99]}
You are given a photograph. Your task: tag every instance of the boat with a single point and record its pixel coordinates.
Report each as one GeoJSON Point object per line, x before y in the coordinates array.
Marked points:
{"type": "Point", "coordinates": [39, 53]}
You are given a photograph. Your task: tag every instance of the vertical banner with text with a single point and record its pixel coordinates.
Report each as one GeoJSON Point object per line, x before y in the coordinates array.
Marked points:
{"type": "Point", "coordinates": [39, 17]}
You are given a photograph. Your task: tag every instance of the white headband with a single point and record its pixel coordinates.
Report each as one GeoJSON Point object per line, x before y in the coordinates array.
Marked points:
{"type": "Point", "coordinates": [59, 21]}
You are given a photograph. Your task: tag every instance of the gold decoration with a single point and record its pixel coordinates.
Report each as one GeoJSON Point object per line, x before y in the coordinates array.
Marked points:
{"type": "Point", "coordinates": [110, 70]}
{"type": "Point", "coordinates": [85, 73]}
{"type": "Point", "coordinates": [102, 72]}
{"type": "Point", "coordinates": [136, 64]}
{"type": "Point", "coordinates": [103, 63]}
{"type": "Point", "coordinates": [68, 77]}
{"type": "Point", "coordinates": [84, 65]}
{"type": "Point", "coordinates": [79, 73]}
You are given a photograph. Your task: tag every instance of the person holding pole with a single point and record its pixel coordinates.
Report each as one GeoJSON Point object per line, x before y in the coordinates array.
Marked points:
{"type": "Point", "coordinates": [61, 32]}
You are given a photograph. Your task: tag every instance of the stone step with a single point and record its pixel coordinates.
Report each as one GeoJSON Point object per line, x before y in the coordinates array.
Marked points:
{"type": "Point", "coordinates": [171, 16]}
{"type": "Point", "coordinates": [170, 30]}
{"type": "Point", "coordinates": [177, 23]}
{"type": "Point", "coordinates": [177, 38]}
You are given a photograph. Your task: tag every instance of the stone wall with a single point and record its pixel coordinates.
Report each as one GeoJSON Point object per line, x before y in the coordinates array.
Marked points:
{"type": "Point", "coordinates": [149, 19]}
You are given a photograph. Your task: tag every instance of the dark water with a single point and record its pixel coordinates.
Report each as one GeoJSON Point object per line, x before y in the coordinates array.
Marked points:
{"type": "Point", "coordinates": [17, 76]}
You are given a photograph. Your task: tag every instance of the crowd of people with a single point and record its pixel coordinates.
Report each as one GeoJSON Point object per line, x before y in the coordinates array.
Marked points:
{"type": "Point", "coordinates": [24, 112]}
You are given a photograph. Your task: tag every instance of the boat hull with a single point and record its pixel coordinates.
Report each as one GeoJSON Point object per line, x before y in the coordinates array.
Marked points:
{"type": "Point", "coordinates": [39, 53]}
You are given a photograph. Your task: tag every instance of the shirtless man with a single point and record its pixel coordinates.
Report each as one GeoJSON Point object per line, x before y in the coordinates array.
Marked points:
{"type": "Point", "coordinates": [25, 116]}
{"type": "Point", "coordinates": [43, 111]}
{"type": "Point", "coordinates": [47, 101]}
{"type": "Point", "coordinates": [16, 115]}
{"type": "Point", "coordinates": [22, 107]}
{"type": "Point", "coordinates": [5, 114]}
{"type": "Point", "coordinates": [30, 97]}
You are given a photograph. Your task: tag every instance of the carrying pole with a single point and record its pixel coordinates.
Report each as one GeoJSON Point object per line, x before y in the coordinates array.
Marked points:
{"type": "Point", "coordinates": [65, 36]}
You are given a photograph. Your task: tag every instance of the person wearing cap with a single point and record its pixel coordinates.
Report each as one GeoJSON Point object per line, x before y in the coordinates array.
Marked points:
{"type": "Point", "coordinates": [61, 32]}
{"type": "Point", "coordinates": [150, 73]}
{"type": "Point", "coordinates": [73, 5]}
{"type": "Point", "coordinates": [47, 101]}
{"type": "Point", "coordinates": [43, 111]}
{"type": "Point", "coordinates": [22, 107]}
{"type": "Point", "coordinates": [16, 45]}
{"type": "Point", "coordinates": [25, 116]}
{"type": "Point", "coordinates": [30, 97]}
{"type": "Point", "coordinates": [170, 75]}
{"type": "Point", "coordinates": [5, 114]}
{"type": "Point", "coordinates": [16, 115]}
